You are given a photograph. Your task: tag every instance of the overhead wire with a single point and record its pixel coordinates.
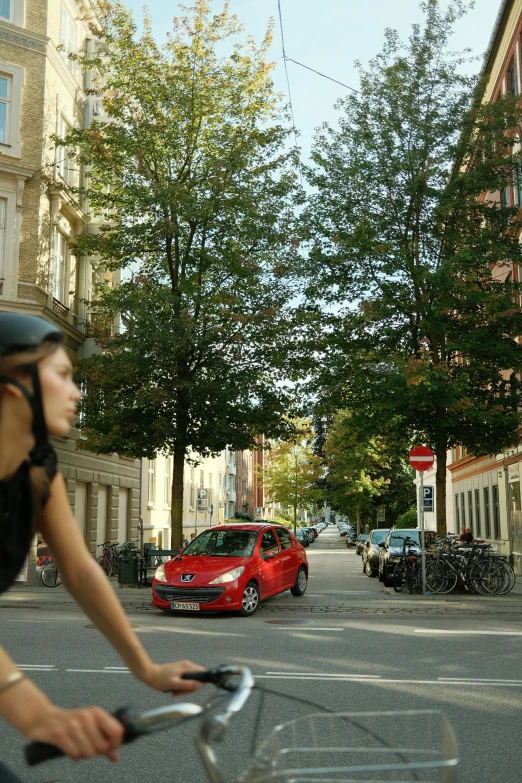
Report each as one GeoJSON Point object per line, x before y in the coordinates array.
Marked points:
{"type": "Point", "coordinates": [288, 85]}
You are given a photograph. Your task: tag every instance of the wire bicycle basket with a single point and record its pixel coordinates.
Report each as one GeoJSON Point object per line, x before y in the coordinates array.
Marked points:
{"type": "Point", "coordinates": [352, 747]}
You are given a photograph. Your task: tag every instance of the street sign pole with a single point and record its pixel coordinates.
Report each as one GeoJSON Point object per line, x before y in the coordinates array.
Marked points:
{"type": "Point", "coordinates": [423, 548]}
{"type": "Point", "coordinates": [421, 458]}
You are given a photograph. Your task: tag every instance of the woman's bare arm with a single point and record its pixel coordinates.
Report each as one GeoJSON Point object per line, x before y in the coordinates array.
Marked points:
{"type": "Point", "coordinates": [87, 583]}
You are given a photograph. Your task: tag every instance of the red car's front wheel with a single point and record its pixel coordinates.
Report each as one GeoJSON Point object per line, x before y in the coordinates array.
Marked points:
{"type": "Point", "coordinates": [250, 600]}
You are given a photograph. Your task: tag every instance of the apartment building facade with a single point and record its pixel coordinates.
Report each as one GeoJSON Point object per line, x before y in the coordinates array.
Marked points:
{"type": "Point", "coordinates": [486, 491]}
{"type": "Point", "coordinates": [209, 495]}
{"type": "Point", "coordinates": [43, 92]}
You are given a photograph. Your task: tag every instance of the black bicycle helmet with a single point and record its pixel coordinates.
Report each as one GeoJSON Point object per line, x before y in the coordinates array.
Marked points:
{"type": "Point", "coordinates": [18, 333]}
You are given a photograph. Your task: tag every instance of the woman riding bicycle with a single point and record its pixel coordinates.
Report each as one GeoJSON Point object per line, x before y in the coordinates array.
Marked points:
{"type": "Point", "coordinates": [37, 398]}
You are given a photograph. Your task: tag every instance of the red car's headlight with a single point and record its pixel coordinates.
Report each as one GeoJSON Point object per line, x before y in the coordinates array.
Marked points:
{"type": "Point", "coordinates": [229, 576]}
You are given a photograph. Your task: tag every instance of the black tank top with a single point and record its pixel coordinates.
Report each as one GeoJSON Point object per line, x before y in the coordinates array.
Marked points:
{"type": "Point", "coordinates": [17, 524]}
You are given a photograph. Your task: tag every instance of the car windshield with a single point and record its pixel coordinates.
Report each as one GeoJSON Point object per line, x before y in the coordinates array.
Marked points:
{"type": "Point", "coordinates": [397, 539]}
{"type": "Point", "coordinates": [378, 536]}
{"type": "Point", "coordinates": [223, 543]}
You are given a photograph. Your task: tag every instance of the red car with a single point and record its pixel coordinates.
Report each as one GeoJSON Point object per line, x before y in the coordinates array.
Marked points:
{"type": "Point", "coordinates": [232, 567]}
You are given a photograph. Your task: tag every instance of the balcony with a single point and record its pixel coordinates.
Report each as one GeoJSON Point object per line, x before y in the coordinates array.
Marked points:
{"type": "Point", "coordinates": [231, 468]}
{"type": "Point", "coordinates": [232, 495]}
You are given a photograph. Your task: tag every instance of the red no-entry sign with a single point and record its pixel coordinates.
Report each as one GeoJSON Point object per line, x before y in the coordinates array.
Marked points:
{"type": "Point", "coordinates": [421, 458]}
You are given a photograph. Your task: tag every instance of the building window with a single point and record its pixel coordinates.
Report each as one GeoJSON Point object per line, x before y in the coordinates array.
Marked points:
{"type": "Point", "coordinates": [462, 510]}
{"type": "Point", "coordinates": [201, 479]}
{"type": "Point", "coordinates": [59, 266]}
{"type": "Point", "coordinates": [151, 484]}
{"type": "Point", "coordinates": [5, 107]}
{"type": "Point", "coordinates": [457, 513]}
{"type": "Point", "coordinates": [487, 516]}
{"type": "Point", "coordinates": [167, 483]}
{"type": "Point", "coordinates": [65, 165]}
{"type": "Point", "coordinates": [68, 40]}
{"type": "Point", "coordinates": [470, 510]}
{"type": "Point", "coordinates": [192, 487]}
{"type": "Point", "coordinates": [5, 9]}
{"type": "Point", "coordinates": [220, 480]}
{"type": "Point", "coordinates": [496, 511]}
{"type": "Point", "coordinates": [210, 489]}
{"type": "Point", "coordinates": [3, 205]}
{"type": "Point", "coordinates": [478, 524]}
{"type": "Point", "coordinates": [512, 80]}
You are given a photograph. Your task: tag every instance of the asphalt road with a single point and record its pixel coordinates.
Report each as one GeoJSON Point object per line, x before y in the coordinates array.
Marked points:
{"type": "Point", "coordinates": [466, 663]}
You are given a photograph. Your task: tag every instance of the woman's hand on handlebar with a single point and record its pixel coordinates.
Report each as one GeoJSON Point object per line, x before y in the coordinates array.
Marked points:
{"type": "Point", "coordinates": [80, 734]}
{"type": "Point", "coordinates": [167, 677]}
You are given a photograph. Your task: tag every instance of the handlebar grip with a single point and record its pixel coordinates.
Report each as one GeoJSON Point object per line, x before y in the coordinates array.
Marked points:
{"type": "Point", "coordinates": [38, 752]}
{"type": "Point", "coordinates": [217, 677]}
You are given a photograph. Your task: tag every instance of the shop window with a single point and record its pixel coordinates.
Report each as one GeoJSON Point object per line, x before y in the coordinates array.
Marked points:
{"type": "Point", "coordinates": [496, 511]}
{"type": "Point", "coordinates": [478, 521]}
{"type": "Point", "coordinates": [470, 510]}
{"type": "Point", "coordinates": [462, 509]}
{"type": "Point", "coordinates": [487, 514]}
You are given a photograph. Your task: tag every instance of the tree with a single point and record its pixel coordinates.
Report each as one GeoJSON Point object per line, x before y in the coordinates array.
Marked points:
{"type": "Point", "coordinates": [291, 476]}
{"type": "Point", "coordinates": [192, 182]}
{"type": "Point", "coordinates": [412, 246]}
{"type": "Point", "coordinates": [355, 465]}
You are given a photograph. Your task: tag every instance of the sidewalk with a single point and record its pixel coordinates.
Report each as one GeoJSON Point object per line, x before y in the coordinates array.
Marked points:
{"type": "Point", "coordinates": [386, 601]}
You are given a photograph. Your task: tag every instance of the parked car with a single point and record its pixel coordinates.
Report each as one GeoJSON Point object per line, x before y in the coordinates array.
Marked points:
{"type": "Point", "coordinates": [231, 568]}
{"type": "Point", "coordinates": [360, 542]}
{"type": "Point", "coordinates": [302, 537]}
{"type": "Point", "coordinates": [310, 533]}
{"type": "Point", "coordinates": [344, 528]}
{"type": "Point", "coordinates": [351, 537]}
{"type": "Point", "coordinates": [391, 551]}
{"type": "Point", "coordinates": [370, 553]}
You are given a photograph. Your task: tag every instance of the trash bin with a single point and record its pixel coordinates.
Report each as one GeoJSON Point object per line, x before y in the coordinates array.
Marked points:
{"type": "Point", "coordinates": [128, 566]}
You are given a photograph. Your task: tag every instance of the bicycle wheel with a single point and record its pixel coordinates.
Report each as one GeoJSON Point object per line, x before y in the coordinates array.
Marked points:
{"type": "Point", "coordinates": [399, 576]}
{"type": "Point", "coordinates": [105, 563]}
{"type": "Point", "coordinates": [486, 576]}
{"type": "Point", "coordinates": [510, 577]}
{"type": "Point", "coordinates": [440, 578]}
{"type": "Point", "coordinates": [50, 575]}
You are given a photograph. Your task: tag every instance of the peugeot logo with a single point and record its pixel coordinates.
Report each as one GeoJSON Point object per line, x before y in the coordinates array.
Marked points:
{"type": "Point", "coordinates": [187, 577]}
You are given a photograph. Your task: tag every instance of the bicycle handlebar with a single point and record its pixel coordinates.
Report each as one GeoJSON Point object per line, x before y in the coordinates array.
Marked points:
{"type": "Point", "coordinates": [138, 724]}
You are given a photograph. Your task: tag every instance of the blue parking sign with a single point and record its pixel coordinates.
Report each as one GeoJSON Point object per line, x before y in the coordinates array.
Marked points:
{"type": "Point", "coordinates": [427, 500]}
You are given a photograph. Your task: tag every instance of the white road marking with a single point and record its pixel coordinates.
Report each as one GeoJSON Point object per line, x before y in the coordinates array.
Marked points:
{"type": "Point", "coordinates": [467, 633]}
{"type": "Point", "coordinates": [303, 628]}
{"type": "Point", "coordinates": [36, 666]}
{"type": "Point", "coordinates": [371, 680]}
{"type": "Point", "coordinates": [34, 621]}
{"type": "Point", "coordinates": [311, 674]}
{"type": "Point", "coordinates": [100, 671]}
{"type": "Point", "coordinates": [477, 679]}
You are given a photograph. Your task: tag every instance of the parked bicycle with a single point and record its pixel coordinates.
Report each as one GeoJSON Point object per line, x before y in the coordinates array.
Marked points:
{"type": "Point", "coordinates": [473, 568]}
{"type": "Point", "coordinates": [50, 574]}
{"type": "Point", "coordinates": [109, 557]}
{"type": "Point", "coordinates": [407, 574]}
{"type": "Point", "coordinates": [323, 746]}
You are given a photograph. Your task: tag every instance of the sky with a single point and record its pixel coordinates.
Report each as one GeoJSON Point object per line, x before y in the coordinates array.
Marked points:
{"type": "Point", "coordinates": [328, 35]}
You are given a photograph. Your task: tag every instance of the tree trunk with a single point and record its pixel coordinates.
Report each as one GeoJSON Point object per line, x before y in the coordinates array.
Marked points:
{"type": "Point", "coordinates": [176, 504]}
{"type": "Point", "coordinates": [295, 520]}
{"type": "Point", "coordinates": [358, 513]}
{"type": "Point", "coordinates": [440, 488]}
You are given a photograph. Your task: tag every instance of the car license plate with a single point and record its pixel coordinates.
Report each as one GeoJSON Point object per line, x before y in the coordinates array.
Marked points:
{"type": "Point", "coordinates": [183, 605]}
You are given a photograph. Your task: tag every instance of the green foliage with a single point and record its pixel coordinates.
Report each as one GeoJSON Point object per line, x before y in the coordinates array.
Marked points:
{"type": "Point", "coordinates": [245, 517]}
{"type": "Point", "coordinates": [194, 189]}
{"type": "Point", "coordinates": [406, 225]}
{"type": "Point", "coordinates": [293, 470]}
{"type": "Point", "coordinates": [408, 519]}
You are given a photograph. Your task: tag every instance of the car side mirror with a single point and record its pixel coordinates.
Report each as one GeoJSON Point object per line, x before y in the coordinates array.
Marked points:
{"type": "Point", "coordinates": [381, 544]}
{"type": "Point", "coordinates": [181, 550]}
{"type": "Point", "coordinates": [268, 555]}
